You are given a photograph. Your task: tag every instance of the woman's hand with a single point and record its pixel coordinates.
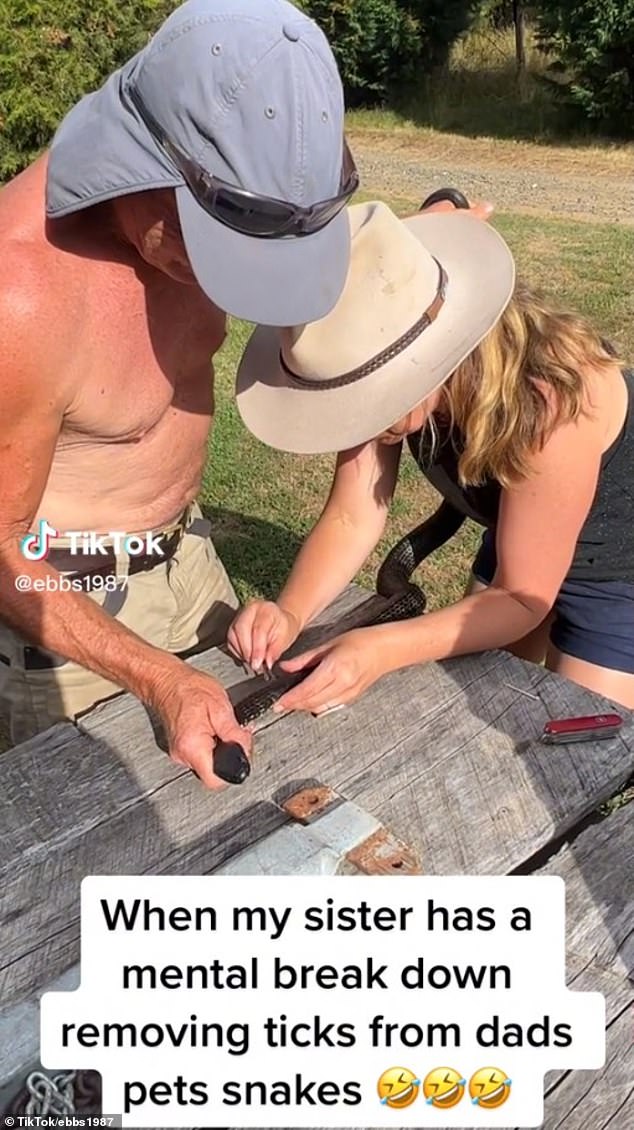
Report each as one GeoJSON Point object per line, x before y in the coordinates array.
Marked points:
{"type": "Point", "coordinates": [262, 632]}
{"type": "Point", "coordinates": [346, 667]}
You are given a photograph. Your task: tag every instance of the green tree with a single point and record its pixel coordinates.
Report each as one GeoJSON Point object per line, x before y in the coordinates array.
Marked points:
{"type": "Point", "coordinates": [53, 53]}
{"type": "Point", "coordinates": [375, 43]}
{"type": "Point", "coordinates": [594, 47]}
{"type": "Point", "coordinates": [440, 24]}
{"type": "Point", "coordinates": [382, 46]}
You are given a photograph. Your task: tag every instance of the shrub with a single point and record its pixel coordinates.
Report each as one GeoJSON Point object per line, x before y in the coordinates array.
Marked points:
{"type": "Point", "coordinates": [382, 46]}
{"type": "Point", "coordinates": [53, 53]}
{"type": "Point", "coordinates": [594, 47]}
{"type": "Point", "coordinates": [376, 43]}
{"type": "Point", "coordinates": [496, 13]}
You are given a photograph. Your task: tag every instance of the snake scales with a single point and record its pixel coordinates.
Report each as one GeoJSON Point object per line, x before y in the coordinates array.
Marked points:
{"type": "Point", "coordinates": [397, 598]}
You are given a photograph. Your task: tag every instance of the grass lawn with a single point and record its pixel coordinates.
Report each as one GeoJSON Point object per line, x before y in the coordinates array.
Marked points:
{"type": "Point", "coordinates": [263, 502]}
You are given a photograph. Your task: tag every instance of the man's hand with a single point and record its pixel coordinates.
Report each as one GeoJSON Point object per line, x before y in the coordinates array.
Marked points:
{"type": "Point", "coordinates": [262, 632]}
{"type": "Point", "coordinates": [196, 712]}
{"type": "Point", "coordinates": [347, 666]}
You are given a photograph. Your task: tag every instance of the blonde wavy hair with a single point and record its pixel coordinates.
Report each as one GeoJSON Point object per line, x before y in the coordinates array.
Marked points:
{"type": "Point", "coordinates": [494, 398]}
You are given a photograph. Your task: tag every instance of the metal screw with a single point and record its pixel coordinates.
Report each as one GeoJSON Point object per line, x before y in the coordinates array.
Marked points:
{"type": "Point", "coordinates": [269, 112]}
{"type": "Point", "coordinates": [216, 49]}
{"type": "Point", "coordinates": [324, 115]}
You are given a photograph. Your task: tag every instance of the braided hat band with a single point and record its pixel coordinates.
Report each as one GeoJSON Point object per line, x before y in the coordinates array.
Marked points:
{"type": "Point", "coordinates": [389, 353]}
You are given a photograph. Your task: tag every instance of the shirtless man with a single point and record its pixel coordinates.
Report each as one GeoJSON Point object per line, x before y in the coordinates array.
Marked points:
{"type": "Point", "coordinates": [119, 256]}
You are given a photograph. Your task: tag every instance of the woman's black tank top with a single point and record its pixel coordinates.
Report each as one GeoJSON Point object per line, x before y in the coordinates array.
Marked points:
{"type": "Point", "coordinates": [605, 549]}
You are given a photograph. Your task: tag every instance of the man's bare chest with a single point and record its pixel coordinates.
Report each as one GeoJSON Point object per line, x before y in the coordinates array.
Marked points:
{"type": "Point", "coordinates": [141, 356]}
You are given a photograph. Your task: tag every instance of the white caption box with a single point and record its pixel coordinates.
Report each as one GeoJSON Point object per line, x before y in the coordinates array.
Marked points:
{"type": "Point", "coordinates": [310, 1001]}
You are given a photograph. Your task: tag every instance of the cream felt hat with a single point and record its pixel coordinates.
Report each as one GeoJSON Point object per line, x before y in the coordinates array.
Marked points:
{"type": "Point", "coordinates": [420, 294]}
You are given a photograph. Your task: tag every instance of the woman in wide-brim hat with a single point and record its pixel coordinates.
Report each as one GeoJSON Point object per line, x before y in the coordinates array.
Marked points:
{"type": "Point", "coordinates": [518, 413]}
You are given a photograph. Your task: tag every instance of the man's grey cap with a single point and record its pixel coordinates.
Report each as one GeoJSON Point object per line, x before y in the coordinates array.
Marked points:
{"type": "Point", "coordinates": [250, 90]}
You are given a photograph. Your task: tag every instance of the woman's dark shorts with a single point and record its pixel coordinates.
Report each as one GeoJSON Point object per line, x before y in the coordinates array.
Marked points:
{"type": "Point", "coordinates": [594, 620]}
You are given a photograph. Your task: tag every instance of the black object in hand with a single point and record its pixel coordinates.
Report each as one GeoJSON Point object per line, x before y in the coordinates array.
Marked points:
{"type": "Point", "coordinates": [453, 195]}
{"type": "Point", "coordinates": [231, 763]}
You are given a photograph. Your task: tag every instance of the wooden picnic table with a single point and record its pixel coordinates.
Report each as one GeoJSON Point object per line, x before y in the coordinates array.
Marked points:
{"type": "Point", "coordinates": [445, 755]}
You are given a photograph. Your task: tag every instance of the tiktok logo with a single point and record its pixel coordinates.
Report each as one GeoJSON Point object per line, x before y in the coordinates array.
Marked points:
{"type": "Point", "coordinates": [35, 547]}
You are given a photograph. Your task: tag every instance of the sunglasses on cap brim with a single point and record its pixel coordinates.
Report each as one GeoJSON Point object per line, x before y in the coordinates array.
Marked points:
{"type": "Point", "coordinates": [247, 212]}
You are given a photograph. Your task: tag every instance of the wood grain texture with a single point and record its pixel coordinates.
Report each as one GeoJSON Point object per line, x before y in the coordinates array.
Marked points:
{"type": "Point", "coordinates": [19, 1031]}
{"type": "Point", "coordinates": [446, 755]}
{"type": "Point", "coordinates": [101, 797]}
{"type": "Point", "coordinates": [598, 1099]}
{"type": "Point", "coordinates": [598, 870]}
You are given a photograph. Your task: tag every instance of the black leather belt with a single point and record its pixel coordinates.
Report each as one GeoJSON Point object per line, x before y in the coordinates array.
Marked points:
{"type": "Point", "coordinates": [105, 564]}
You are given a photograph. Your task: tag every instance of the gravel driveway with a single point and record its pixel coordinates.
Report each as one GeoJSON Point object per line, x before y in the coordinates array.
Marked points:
{"type": "Point", "coordinates": [414, 171]}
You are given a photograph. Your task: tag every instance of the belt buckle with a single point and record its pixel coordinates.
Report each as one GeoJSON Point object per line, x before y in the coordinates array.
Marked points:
{"type": "Point", "coordinates": [180, 526]}
{"type": "Point", "coordinates": [176, 532]}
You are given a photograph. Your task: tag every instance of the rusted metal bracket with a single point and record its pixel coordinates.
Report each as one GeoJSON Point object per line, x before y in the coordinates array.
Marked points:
{"type": "Point", "coordinates": [327, 835]}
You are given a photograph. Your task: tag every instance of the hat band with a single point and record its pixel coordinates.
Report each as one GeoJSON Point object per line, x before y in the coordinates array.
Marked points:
{"type": "Point", "coordinates": [387, 354]}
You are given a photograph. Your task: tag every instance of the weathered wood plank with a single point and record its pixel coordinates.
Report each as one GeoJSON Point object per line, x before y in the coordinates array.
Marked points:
{"type": "Point", "coordinates": [380, 759]}
{"type": "Point", "coordinates": [101, 797]}
{"type": "Point", "coordinates": [597, 1099]}
{"type": "Point", "coordinates": [598, 922]}
{"type": "Point", "coordinates": [448, 756]}
{"type": "Point", "coordinates": [152, 813]}
{"type": "Point", "coordinates": [19, 1031]}
{"type": "Point", "coordinates": [598, 870]}
{"type": "Point", "coordinates": [418, 743]}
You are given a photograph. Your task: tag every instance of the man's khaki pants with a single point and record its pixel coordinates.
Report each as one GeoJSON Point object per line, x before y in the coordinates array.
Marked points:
{"type": "Point", "coordinates": [180, 605]}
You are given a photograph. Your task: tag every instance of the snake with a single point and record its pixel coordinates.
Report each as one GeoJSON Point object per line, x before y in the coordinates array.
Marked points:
{"type": "Point", "coordinates": [397, 597]}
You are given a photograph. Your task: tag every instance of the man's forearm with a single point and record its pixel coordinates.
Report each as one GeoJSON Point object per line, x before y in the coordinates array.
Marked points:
{"type": "Point", "coordinates": [73, 626]}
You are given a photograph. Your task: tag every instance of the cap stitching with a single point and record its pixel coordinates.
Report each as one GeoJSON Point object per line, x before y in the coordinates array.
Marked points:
{"type": "Point", "coordinates": [299, 177]}
{"type": "Point", "coordinates": [152, 52]}
{"type": "Point", "coordinates": [244, 82]}
{"type": "Point", "coordinates": [327, 66]}
{"type": "Point", "coordinates": [229, 101]}
{"type": "Point", "coordinates": [327, 74]}
{"type": "Point", "coordinates": [199, 21]}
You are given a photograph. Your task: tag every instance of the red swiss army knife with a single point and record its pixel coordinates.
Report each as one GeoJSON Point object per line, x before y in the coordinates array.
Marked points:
{"type": "Point", "coordinates": [591, 728]}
